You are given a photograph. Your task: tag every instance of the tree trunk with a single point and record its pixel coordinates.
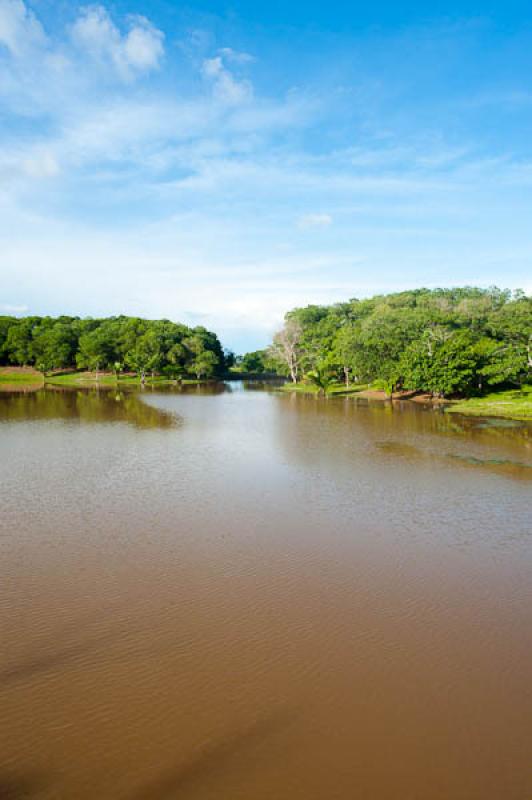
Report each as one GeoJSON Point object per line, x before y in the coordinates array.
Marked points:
{"type": "Point", "coordinates": [346, 375]}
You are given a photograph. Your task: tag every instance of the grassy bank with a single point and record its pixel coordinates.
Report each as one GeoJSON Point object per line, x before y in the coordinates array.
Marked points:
{"type": "Point", "coordinates": [20, 375]}
{"type": "Point", "coordinates": [513, 404]}
{"type": "Point", "coordinates": [336, 389]}
{"type": "Point", "coordinates": [109, 379]}
{"type": "Point", "coordinates": [89, 378]}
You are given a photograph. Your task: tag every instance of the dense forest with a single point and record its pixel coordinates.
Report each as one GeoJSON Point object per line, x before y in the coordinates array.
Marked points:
{"type": "Point", "coordinates": [461, 341]}
{"type": "Point", "coordinates": [444, 341]}
{"type": "Point", "coordinates": [116, 343]}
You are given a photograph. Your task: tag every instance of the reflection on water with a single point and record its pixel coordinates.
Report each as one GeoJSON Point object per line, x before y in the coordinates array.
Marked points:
{"type": "Point", "coordinates": [232, 593]}
{"type": "Point", "coordinates": [84, 405]}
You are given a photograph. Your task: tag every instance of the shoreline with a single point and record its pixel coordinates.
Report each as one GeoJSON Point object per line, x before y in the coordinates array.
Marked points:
{"type": "Point", "coordinates": [513, 404]}
{"type": "Point", "coordinates": [507, 404]}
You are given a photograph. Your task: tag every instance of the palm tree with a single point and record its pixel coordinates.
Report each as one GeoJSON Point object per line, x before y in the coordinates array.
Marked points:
{"type": "Point", "coordinates": [320, 379]}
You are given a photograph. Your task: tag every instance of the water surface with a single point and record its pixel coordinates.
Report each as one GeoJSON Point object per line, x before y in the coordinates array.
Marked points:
{"type": "Point", "coordinates": [236, 594]}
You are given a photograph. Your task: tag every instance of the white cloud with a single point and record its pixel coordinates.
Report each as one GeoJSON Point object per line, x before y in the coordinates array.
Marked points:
{"type": "Point", "coordinates": [143, 45]}
{"type": "Point", "coordinates": [184, 202]}
{"type": "Point", "coordinates": [314, 221]}
{"type": "Point", "coordinates": [7, 309]}
{"type": "Point", "coordinates": [140, 50]}
{"type": "Point", "coordinates": [19, 29]}
{"type": "Point", "coordinates": [227, 89]}
{"type": "Point", "coordinates": [235, 56]}
{"type": "Point", "coordinates": [34, 162]}
{"type": "Point", "coordinates": [41, 165]}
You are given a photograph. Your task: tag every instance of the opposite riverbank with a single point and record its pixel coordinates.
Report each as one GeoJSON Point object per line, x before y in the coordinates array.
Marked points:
{"type": "Point", "coordinates": [19, 377]}
{"type": "Point", "coordinates": [510, 404]}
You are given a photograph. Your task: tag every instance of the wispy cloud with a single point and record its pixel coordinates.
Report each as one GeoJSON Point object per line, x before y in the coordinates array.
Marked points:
{"type": "Point", "coordinates": [226, 88]}
{"type": "Point", "coordinates": [314, 221]}
{"type": "Point", "coordinates": [7, 309]}
{"type": "Point", "coordinates": [20, 30]}
{"type": "Point", "coordinates": [173, 172]}
{"type": "Point", "coordinates": [235, 56]}
{"type": "Point", "coordinates": [139, 50]}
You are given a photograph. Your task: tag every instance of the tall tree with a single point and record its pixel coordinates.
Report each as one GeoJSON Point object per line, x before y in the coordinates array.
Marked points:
{"type": "Point", "coordinates": [286, 347]}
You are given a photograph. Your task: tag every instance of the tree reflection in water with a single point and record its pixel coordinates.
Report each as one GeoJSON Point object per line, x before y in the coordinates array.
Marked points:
{"type": "Point", "coordinates": [94, 405]}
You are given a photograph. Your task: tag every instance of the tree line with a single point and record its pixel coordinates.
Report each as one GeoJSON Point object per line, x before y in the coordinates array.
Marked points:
{"type": "Point", "coordinates": [114, 343]}
{"type": "Point", "coordinates": [459, 341]}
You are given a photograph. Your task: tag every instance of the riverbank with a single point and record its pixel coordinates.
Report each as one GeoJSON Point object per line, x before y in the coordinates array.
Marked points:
{"type": "Point", "coordinates": [511, 404]}
{"type": "Point", "coordinates": [27, 376]}
{"type": "Point", "coordinates": [109, 379]}
{"type": "Point", "coordinates": [20, 375]}
{"type": "Point", "coordinates": [337, 389]}
{"type": "Point", "coordinates": [371, 391]}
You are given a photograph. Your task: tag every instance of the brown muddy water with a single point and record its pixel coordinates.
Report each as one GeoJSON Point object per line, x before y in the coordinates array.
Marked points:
{"type": "Point", "coordinates": [247, 595]}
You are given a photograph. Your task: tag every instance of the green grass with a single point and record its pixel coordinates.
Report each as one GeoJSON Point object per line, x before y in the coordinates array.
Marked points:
{"type": "Point", "coordinates": [334, 389]}
{"type": "Point", "coordinates": [89, 379]}
{"type": "Point", "coordinates": [512, 404]}
{"type": "Point", "coordinates": [12, 376]}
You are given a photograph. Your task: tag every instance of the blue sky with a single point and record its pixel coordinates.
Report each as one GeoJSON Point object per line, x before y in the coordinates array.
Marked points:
{"type": "Point", "coordinates": [221, 163]}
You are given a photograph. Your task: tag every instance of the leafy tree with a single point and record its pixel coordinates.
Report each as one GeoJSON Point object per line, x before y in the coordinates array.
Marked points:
{"type": "Point", "coordinates": [146, 355]}
{"type": "Point", "coordinates": [253, 361]}
{"type": "Point", "coordinates": [96, 350]}
{"type": "Point", "coordinates": [5, 324]}
{"type": "Point", "coordinates": [229, 359]}
{"type": "Point", "coordinates": [321, 379]}
{"type": "Point", "coordinates": [19, 341]}
{"type": "Point", "coordinates": [450, 366]}
{"type": "Point", "coordinates": [204, 365]}
{"type": "Point", "coordinates": [444, 341]}
{"type": "Point", "coordinates": [54, 344]}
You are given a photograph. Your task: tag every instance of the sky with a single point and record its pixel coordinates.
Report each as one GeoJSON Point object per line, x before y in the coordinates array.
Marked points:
{"type": "Point", "coordinates": [220, 163]}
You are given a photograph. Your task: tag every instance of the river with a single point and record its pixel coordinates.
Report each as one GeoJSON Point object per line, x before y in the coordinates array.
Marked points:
{"type": "Point", "coordinates": [233, 593]}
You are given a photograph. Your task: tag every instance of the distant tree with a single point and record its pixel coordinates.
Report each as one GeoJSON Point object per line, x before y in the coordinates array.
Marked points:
{"type": "Point", "coordinates": [55, 343]}
{"type": "Point", "coordinates": [204, 365]}
{"type": "Point", "coordinates": [453, 365]}
{"type": "Point", "coordinates": [446, 341]}
{"type": "Point", "coordinates": [19, 341]}
{"type": "Point", "coordinates": [344, 352]}
{"type": "Point", "coordinates": [146, 355]}
{"type": "Point", "coordinates": [95, 350]}
{"type": "Point", "coordinates": [229, 359]}
{"type": "Point", "coordinates": [512, 326]}
{"type": "Point", "coordinates": [286, 347]}
{"type": "Point", "coordinates": [253, 361]}
{"type": "Point", "coordinates": [175, 359]}
{"type": "Point", "coordinates": [5, 324]}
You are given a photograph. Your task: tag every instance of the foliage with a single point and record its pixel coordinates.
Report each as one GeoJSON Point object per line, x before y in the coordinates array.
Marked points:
{"type": "Point", "coordinates": [255, 361]}
{"type": "Point", "coordinates": [320, 379]}
{"type": "Point", "coordinates": [154, 346]}
{"type": "Point", "coordinates": [458, 341]}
